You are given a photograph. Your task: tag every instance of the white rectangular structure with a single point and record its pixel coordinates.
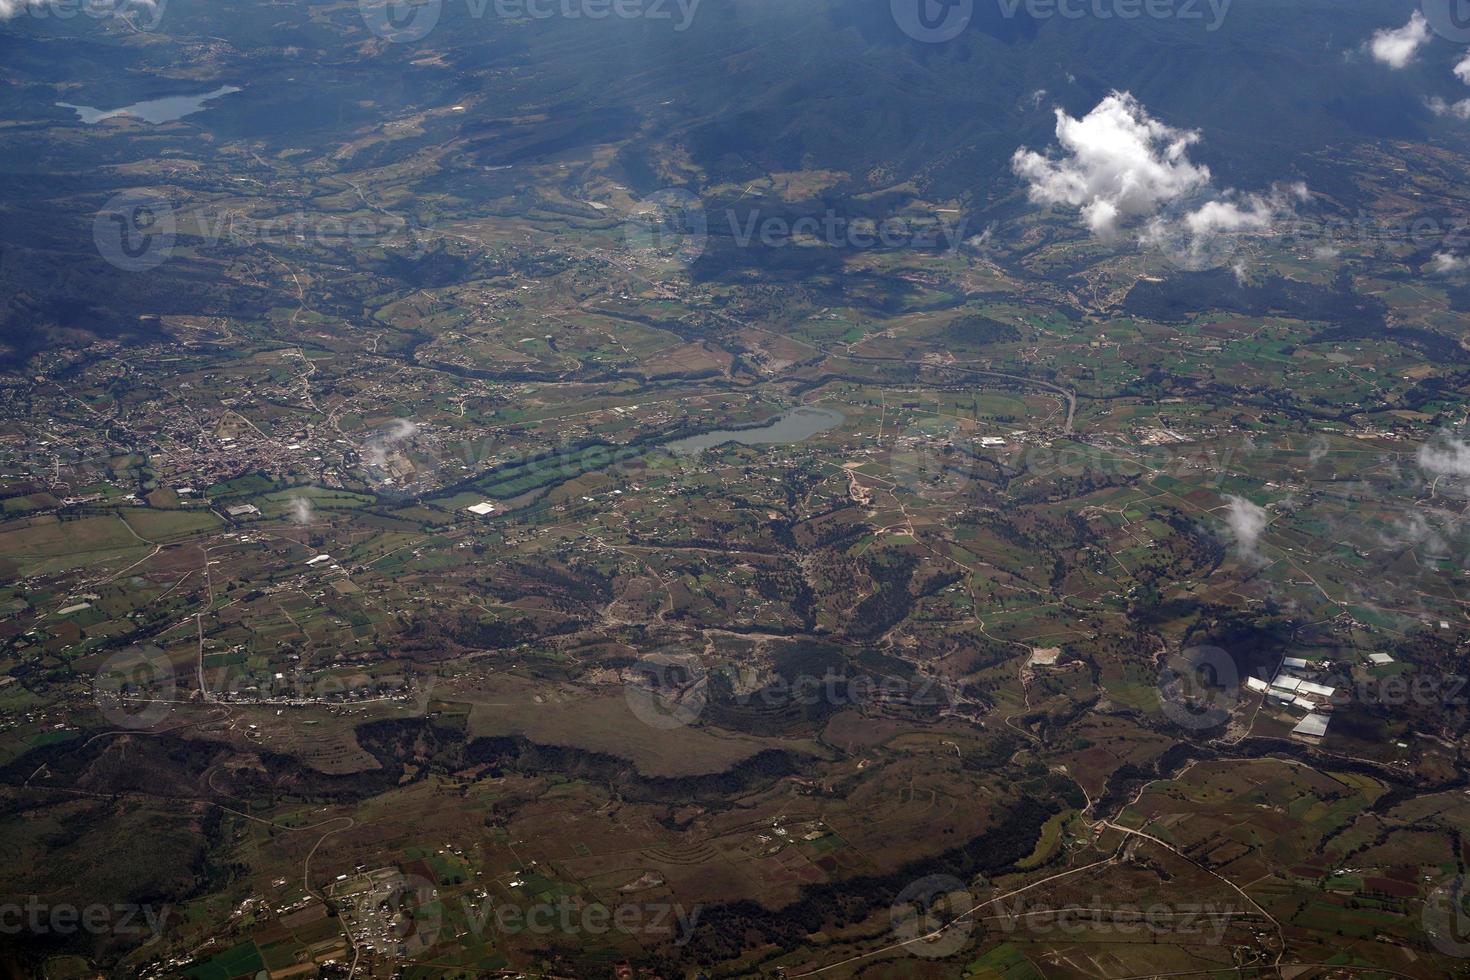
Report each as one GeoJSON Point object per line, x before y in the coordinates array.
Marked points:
{"type": "Point", "coordinates": [1314, 725]}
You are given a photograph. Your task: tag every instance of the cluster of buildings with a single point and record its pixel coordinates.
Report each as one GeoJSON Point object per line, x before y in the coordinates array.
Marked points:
{"type": "Point", "coordinates": [1294, 687]}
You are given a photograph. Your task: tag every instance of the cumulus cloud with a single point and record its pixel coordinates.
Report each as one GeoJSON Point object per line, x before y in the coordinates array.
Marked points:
{"type": "Point", "coordinates": [1119, 163]}
{"type": "Point", "coordinates": [1445, 455]}
{"type": "Point", "coordinates": [1119, 166]}
{"type": "Point", "coordinates": [1237, 212]}
{"type": "Point", "coordinates": [1459, 109]}
{"type": "Point", "coordinates": [1438, 106]}
{"type": "Point", "coordinates": [9, 8]}
{"type": "Point", "coordinates": [1246, 522]}
{"type": "Point", "coordinates": [1462, 69]}
{"type": "Point", "coordinates": [375, 450]}
{"type": "Point", "coordinates": [1414, 531]}
{"type": "Point", "coordinates": [1397, 46]}
{"type": "Point", "coordinates": [300, 510]}
{"type": "Point", "coordinates": [1445, 264]}
{"type": "Point", "coordinates": [1216, 216]}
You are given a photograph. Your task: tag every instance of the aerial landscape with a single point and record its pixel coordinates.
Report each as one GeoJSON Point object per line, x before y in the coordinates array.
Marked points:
{"type": "Point", "coordinates": [734, 488]}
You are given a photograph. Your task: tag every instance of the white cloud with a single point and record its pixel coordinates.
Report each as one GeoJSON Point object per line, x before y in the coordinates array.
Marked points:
{"type": "Point", "coordinates": [1414, 531]}
{"type": "Point", "coordinates": [1119, 164]}
{"type": "Point", "coordinates": [1227, 214]}
{"type": "Point", "coordinates": [1246, 522]}
{"type": "Point", "coordinates": [375, 450]}
{"type": "Point", "coordinates": [1462, 69]}
{"type": "Point", "coordinates": [1208, 232]}
{"type": "Point", "coordinates": [1120, 167]}
{"type": "Point", "coordinates": [1445, 456]}
{"type": "Point", "coordinates": [1438, 106]}
{"type": "Point", "coordinates": [300, 510]}
{"type": "Point", "coordinates": [1445, 264]}
{"type": "Point", "coordinates": [1396, 46]}
{"type": "Point", "coordinates": [9, 8]}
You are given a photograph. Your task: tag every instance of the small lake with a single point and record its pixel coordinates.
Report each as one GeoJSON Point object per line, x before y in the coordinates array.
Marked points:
{"type": "Point", "coordinates": [793, 426]}
{"type": "Point", "coordinates": [153, 111]}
